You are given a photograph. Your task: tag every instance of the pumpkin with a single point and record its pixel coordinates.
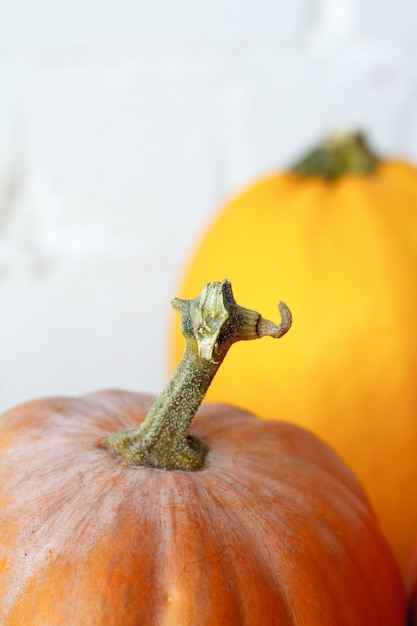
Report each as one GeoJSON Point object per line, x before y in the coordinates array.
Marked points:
{"type": "Point", "coordinates": [338, 235]}
{"type": "Point", "coordinates": [252, 522]}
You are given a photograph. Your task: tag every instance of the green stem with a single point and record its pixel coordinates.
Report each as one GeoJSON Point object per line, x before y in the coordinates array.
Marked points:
{"type": "Point", "coordinates": [210, 323]}
{"type": "Point", "coordinates": [337, 155]}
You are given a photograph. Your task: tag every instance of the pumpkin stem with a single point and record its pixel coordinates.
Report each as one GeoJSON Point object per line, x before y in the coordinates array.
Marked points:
{"type": "Point", "coordinates": [210, 323]}
{"type": "Point", "coordinates": [337, 155]}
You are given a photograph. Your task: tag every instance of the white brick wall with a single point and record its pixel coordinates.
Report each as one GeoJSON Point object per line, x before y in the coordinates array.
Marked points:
{"type": "Point", "coordinates": [125, 124]}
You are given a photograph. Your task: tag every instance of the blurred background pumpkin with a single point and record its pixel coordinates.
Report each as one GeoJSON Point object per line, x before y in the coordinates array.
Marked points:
{"type": "Point", "coordinates": [336, 238]}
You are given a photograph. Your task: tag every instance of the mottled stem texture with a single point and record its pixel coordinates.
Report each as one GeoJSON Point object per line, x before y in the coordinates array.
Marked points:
{"type": "Point", "coordinates": [210, 323]}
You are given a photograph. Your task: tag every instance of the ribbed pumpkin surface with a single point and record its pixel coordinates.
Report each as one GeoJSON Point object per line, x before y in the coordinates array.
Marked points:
{"type": "Point", "coordinates": [274, 530]}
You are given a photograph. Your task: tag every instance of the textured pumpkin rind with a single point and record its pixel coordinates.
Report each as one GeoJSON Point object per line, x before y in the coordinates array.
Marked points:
{"type": "Point", "coordinates": [344, 255]}
{"type": "Point", "coordinates": [273, 530]}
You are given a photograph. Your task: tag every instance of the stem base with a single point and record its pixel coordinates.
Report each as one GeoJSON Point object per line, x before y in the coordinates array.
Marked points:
{"type": "Point", "coordinates": [135, 450]}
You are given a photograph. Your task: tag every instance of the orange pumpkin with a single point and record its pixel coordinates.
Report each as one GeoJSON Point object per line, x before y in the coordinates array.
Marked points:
{"type": "Point", "coordinates": [269, 528]}
{"type": "Point", "coordinates": [338, 238]}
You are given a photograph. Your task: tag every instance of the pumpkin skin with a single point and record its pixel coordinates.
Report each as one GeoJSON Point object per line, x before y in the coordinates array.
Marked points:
{"type": "Point", "coordinates": [344, 254]}
{"type": "Point", "coordinates": [273, 530]}
{"type": "Point", "coordinates": [412, 588]}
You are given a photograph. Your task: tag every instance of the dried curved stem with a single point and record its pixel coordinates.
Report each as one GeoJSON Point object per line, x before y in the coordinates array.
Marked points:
{"type": "Point", "coordinates": [210, 323]}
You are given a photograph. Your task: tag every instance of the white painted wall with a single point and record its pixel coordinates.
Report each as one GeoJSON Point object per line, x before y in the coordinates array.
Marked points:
{"type": "Point", "coordinates": [125, 124]}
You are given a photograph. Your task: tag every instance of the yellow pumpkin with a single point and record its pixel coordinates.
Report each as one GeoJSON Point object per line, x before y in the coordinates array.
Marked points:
{"type": "Point", "coordinates": [337, 237]}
